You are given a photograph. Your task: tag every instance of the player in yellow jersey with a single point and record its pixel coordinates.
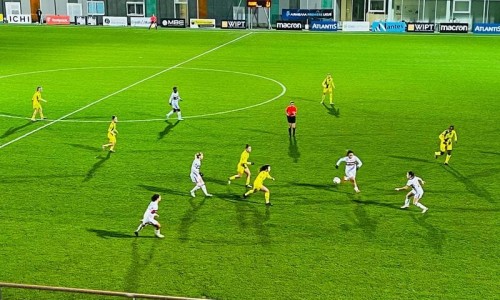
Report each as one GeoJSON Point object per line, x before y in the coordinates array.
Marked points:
{"type": "Point", "coordinates": [37, 106]}
{"type": "Point", "coordinates": [242, 166]}
{"type": "Point", "coordinates": [447, 138]}
{"type": "Point", "coordinates": [328, 86]}
{"type": "Point", "coordinates": [112, 132]}
{"type": "Point", "coordinates": [258, 184]}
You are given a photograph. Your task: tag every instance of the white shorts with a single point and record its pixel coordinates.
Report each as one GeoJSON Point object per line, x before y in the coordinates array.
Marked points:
{"type": "Point", "coordinates": [417, 194]}
{"type": "Point", "coordinates": [175, 104]}
{"type": "Point", "coordinates": [149, 220]}
{"type": "Point", "coordinates": [350, 174]}
{"type": "Point", "coordinates": [195, 178]}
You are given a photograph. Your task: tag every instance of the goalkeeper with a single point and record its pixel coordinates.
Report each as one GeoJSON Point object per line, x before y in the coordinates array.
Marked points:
{"type": "Point", "coordinates": [243, 166]}
{"type": "Point", "coordinates": [328, 86]}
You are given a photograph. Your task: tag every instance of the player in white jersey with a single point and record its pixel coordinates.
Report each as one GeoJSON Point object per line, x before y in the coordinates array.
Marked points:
{"type": "Point", "coordinates": [415, 183]}
{"type": "Point", "coordinates": [150, 216]}
{"type": "Point", "coordinates": [174, 102]}
{"type": "Point", "coordinates": [352, 164]}
{"type": "Point", "coordinates": [197, 176]}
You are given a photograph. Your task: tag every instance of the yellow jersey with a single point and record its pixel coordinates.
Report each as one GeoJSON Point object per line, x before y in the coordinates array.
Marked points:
{"type": "Point", "coordinates": [36, 97]}
{"type": "Point", "coordinates": [112, 128]}
{"type": "Point", "coordinates": [328, 83]}
{"type": "Point", "coordinates": [448, 136]}
{"type": "Point", "coordinates": [244, 159]}
{"type": "Point", "coordinates": [261, 177]}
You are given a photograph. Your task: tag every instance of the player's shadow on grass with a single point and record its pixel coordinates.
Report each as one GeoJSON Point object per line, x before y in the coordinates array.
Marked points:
{"type": "Point", "coordinates": [376, 203]}
{"type": "Point", "coordinates": [235, 198]}
{"type": "Point", "coordinates": [489, 152]}
{"type": "Point", "coordinates": [96, 166]}
{"type": "Point", "coordinates": [162, 190]}
{"type": "Point", "coordinates": [411, 159]}
{"type": "Point", "coordinates": [249, 216]}
{"type": "Point", "coordinates": [167, 129]}
{"type": "Point", "coordinates": [293, 150]}
{"type": "Point", "coordinates": [469, 184]}
{"type": "Point", "coordinates": [106, 234]}
{"type": "Point", "coordinates": [138, 265]}
{"type": "Point", "coordinates": [13, 130]}
{"type": "Point", "coordinates": [362, 221]}
{"type": "Point", "coordinates": [435, 236]}
{"type": "Point", "coordinates": [86, 147]}
{"type": "Point", "coordinates": [330, 108]}
{"type": "Point", "coordinates": [189, 217]}
{"type": "Point", "coordinates": [216, 181]}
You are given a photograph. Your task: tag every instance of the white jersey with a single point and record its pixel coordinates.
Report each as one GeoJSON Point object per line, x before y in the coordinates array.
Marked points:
{"type": "Point", "coordinates": [195, 167]}
{"type": "Point", "coordinates": [415, 185]}
{"type": "Point", "coordinates": [351, 165]}
{"type": "Point", "coordinates": [174, 100]}
{"type": "Point", "coordinates": [150, 213]}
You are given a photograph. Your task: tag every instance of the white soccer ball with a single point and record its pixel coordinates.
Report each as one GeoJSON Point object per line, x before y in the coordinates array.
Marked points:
{"type": "Point", "coordinates": [336, 180]}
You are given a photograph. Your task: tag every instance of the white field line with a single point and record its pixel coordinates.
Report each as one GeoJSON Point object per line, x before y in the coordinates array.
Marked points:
{"type": "Point", "coordinates": [121, 90]}
{"type": "Point", "coordinates": [283, 91]}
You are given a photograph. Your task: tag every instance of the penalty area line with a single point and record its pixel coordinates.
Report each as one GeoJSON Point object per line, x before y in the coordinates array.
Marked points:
{"type": "Point", "coordinates": [122, 90]}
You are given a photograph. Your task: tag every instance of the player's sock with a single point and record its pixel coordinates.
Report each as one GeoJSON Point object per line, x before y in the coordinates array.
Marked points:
{"type": "Point", "coordinates": [293, 130]}
{"type": "Point", "coordinates": [266, 196]}
{"type": "Point", "coordinates": [195, 189]}
{"type": "Point", "coordinates": [407, 202]}
{"type": "Point", "coordinates": [204, 189]}
{"type": "Point", "coordinates": [420, 205]}
{"type": "Point", "coordinates": [322, 98]}
{"type": "Point", "coordinates": [249, 192]}
{"type": "Point", "coordinates": [289, 131]}
{"type": "Point", "coordinates": [33, 116]}
{"type": "Point", "coordinates": [331, 98]}
{"type": "Point", "coordinates": [248, 181]}
{"type": "Point", "coordinates": [179, 116]}
{"type": "Point", "coordinates": [140, 228]}
{"type": "Point", "coordinates": [448, 156]}
{"type": "Point", "coordinates": [232, 177]}
{"type": "Point", "coordinates": [170, 113]}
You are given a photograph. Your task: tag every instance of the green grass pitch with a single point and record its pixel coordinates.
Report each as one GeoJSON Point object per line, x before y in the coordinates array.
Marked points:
{"type": "Point", "coordinates": [68, 209]}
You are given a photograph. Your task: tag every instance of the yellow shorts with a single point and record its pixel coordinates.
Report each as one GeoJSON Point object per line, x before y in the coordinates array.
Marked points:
{"type": "Point", "coordinates": [445, 147]}
{"type": "Point", "coordinates": [329, 90]}
{"type": "Point", "coordinates": [36, 105]}
{"type": "Point", "coordinates": [257, 186]}
{"type": "Point", "coordinates": [112, 138]}
{"type": "Point", "coordinates": [240, 169]}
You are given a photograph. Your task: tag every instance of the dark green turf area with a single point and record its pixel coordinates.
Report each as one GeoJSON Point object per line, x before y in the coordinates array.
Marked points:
{"type": "Point", "coordinates": [68, 210]}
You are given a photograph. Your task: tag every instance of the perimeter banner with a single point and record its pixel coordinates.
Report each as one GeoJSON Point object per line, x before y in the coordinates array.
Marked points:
{"type": "Point", "coordinates": [489, 28]}
{"type": "Point", "coordinates": [305, 14]}
{"type": "Point", "coordinates": [202, 23]}
{"type": "Point", "coordinates": [57, 20]}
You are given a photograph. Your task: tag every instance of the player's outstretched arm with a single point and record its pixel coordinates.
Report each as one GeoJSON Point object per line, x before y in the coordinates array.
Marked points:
{"type": "Point", "coordinates": [401, 188]}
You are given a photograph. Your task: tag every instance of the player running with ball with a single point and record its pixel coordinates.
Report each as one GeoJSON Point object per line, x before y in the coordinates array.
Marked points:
{"type": "Point", "coordinates": [352, 164]}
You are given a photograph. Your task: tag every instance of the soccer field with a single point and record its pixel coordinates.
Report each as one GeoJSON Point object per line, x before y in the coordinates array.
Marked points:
{"type": "Point", "coordinates": [68, 209]}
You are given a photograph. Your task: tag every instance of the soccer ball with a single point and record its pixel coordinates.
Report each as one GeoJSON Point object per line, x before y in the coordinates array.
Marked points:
{"type": "Point", "coordinates": [336, 180]}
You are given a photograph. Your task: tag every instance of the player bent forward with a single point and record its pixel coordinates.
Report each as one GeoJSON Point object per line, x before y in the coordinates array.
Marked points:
{"type": "Point", "coordinates": [197, 176]}
{"type": "Point", "coordinates": [415, 183]}
{"type": "Point", "coordinates": [150, 217]}
{"type": "Point", "coordinates": [352, 164]}
{"type": "Point", "coordinates": [258, 184]}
